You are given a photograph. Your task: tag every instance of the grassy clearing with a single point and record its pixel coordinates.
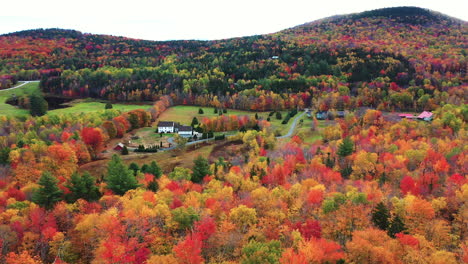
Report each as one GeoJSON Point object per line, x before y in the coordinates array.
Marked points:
{"type": "Point", "coordinates": [184, 114]}
{"type": "Point", "coordinates": [9, 110]}
{"type": "Point", "coordinates": [86, 107]}
{"type": "Point", "coordinates": [304, 130]}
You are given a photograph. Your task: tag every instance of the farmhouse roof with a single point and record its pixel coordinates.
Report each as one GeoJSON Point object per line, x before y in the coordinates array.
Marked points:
{"type": "Point", "coordinates": [165, 124]}
{"type": "Point", "coordinates": [425, 114]}
{"type": "Point", "coordinates": [185, 128]}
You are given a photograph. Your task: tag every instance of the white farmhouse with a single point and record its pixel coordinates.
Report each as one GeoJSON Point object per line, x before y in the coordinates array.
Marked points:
{"type": "Point", "coordinates": [166, 127]}
{"type": "Point", "coordinates": [185, 131]}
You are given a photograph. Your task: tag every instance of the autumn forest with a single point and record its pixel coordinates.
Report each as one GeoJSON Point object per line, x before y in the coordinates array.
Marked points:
{"type": "Point", "coordinates": [307, 145]}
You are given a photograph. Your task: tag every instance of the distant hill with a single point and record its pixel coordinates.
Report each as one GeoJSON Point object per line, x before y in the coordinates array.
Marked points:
{"type": "Point", "coordinates": [404, 47]}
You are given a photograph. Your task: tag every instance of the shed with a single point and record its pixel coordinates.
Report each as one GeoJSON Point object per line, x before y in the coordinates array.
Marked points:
{"type": "Point", "coordinates": [119, 147]}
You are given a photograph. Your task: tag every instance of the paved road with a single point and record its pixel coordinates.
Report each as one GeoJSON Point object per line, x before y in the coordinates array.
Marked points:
{"type": "Point", "coordinates": [293, 126]}
{"type": "Point", "coordinates": [18, 86]}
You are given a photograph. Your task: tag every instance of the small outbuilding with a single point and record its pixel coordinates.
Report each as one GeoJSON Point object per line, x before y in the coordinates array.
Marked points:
{"type": "Point", "coordinates": [119, 147]}
{"type": "Point", "coordinates": [185, 131]}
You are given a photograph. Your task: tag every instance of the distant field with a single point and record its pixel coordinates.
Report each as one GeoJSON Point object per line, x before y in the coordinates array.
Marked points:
{"type": "Point", "coordinates": [6, 109]}
{"type": "Point", "coordinates": [86, 107]}
{"type": "Point", "coordinates": [79, 107]}
{"type": "Point", "coordinates": [184, 114]}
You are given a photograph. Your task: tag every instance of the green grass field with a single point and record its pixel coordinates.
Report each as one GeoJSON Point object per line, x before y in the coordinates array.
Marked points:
{"type": "Point", "coordinates": [86, 107]}
{"type": "Point", "coordinates": [9, 110]}
{"type": "Point", "coordinates": [184, 114]}
{"type": "Point", "coordinates": [78, 107]}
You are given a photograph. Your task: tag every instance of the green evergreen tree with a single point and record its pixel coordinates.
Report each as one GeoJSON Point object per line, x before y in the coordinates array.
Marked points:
{"type": "Point", "coordinates": [346, 172]}
{"type": "Point", "coordinates": [82, 187]}
{"type": "Point", "coordinates": [329, 162]}
{"type": "Point", "coordinates": [380, 216]}
{"type": "Point", "coordinates": [38, 104]}
{"type": "Point", "coordinates": [200, 169]}
{"type": "Point", "coordinates": [396, 226]}
{"type": "Point", "coordinates": [125, 150]}
{"type": "Point", "coordinates": [256, 116]}
{"type": "Point", "coordinates": [145, 168]}
{"type": "Point", "coordinates": [155, 169]}
{"type": "Point", "coordinates": [215, 110]}
{"type": "Point", "coordinates": [224, 110]}
{"type": "Point", "coordinates": [49, 193]}
{"type": "Point", "coordinates": [194, 122]}
{"type": "Point", "coordinates": [200, 111]}
{"type": "Point", "coordinates": [5, 155]}
{"type": "Point", "coordinates": [119, 178]}
{"type": "Point", "coordinates": [134, 167]}
{"type": "Point", "coordinates": [346, 147]}
{"type": "Point", "coordinates": [108, 106]}
{"type": "Point", "coordinates": [279, 116]}
{"type": "Point", "coordinates": [153, 186]}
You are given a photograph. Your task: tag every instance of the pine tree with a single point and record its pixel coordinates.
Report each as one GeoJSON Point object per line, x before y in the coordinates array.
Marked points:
{"type": "Point", "coordinates": [194, 122]}
{"type": "Point", "coordinates": [134, 167]}
{"type": "Point", "coordinates": [396, 226]}
{"type": "Point", "coordinates": [201, 168]}
{"type": "Point", "coordinates": [38, 104]}
{"type": "Point", "coordinates": [200, 111]}
{"type": "Point", "coordinates": [215, 110]}
{"type": "Point", "coordinates": [380, 216]}
{"type": "Point", "coordinates": [82, 188]}
{"type": "Point", "coordinates": [279, 116]}
{"type": "Point", "coordinates": [5, 155]}
{"type": "Point", "coordinates": [346, 147]}
{"type": "Point", "coordinates": [49, 193]}
{"type": "Point", "coordinates": [119, 178]}
{"type": "Point", "coordinates": [153, 186]}
{"type": "Point", "coordinates": [124, 150]}
{"type": "Point", "coordinates": [155, 169]}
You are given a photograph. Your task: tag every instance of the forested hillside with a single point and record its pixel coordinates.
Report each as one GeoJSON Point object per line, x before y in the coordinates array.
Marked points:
{"type": "Point", "coordinates": [399, 58]}
{"type": "Point", "coordinates": [362, 186]}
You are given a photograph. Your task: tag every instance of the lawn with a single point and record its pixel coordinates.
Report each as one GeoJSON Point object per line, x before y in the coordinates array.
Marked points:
{"type": "Point", "coordinates": [9, 110]}
{"type": "Point", "coordinates": [79, 106]}
{"type": "Point", "coordinates": [86, 107]}
{"type": "Point", "coordinates": [305, 131]}
{"type": "Point", "coordinates": [184, 114]}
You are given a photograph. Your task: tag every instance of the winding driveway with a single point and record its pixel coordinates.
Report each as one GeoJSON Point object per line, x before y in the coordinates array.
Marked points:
{"type": "Point", "coordinates": [18, 86]}
{"type": "Point", "coordinates": [289, 134]}
{"type": "Point", "coordinates": [293, 126]}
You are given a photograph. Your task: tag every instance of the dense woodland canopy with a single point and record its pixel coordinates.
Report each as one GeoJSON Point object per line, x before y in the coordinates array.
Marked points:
{"type": "Point", "coordinates": [371, 190]}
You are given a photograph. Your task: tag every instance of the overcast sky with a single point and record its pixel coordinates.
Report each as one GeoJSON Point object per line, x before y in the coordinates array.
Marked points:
{"type": "Point", "coordinates": [192, 19]}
